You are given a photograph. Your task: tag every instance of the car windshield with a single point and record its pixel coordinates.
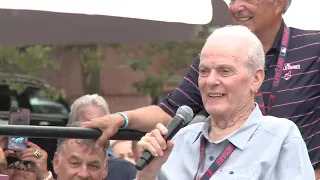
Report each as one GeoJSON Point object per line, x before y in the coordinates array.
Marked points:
{"type": "Point", "coordinates": [44, 105]}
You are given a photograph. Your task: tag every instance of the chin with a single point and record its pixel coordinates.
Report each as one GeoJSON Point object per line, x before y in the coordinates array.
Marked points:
{"type": "Point", "coordinates": [216, 109]}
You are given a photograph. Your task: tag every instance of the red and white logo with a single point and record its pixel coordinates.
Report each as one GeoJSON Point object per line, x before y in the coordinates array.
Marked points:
{"type": "Point", "coordinates": [287, 76]}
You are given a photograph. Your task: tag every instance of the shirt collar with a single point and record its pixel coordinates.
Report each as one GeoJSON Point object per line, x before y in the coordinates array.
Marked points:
{"type": "Point", "coordinates": [277, 42]}
{"type": "Point", "coordinates": [240, 137]}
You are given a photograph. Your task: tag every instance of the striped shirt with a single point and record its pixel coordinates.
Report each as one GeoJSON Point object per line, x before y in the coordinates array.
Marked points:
{"type": "Point", "coordinates": [298, 94]}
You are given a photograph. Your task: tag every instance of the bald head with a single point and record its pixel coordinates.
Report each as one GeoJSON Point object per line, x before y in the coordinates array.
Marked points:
{"type": "Point", "coordinates": [239, 40]}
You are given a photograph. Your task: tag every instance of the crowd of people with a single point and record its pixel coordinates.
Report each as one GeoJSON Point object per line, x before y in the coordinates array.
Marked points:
{"type": "Point", "coordinates": [257, 79]}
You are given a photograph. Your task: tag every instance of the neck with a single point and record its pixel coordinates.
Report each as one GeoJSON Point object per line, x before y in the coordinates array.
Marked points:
{"type": "Point", "coordinates": [222, 126]}
{"type": "Point", "coordinates": [268, 35]}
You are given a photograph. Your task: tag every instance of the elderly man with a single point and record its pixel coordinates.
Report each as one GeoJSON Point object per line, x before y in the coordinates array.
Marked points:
{"type": "Point", "coordinates": [80, 159]}
{"type": "Point", "coordinates": [92, 106]}
{"type": "Point", "coordinates": [236, 141]}
{"type": "Point", "coordinates": [292, 91]}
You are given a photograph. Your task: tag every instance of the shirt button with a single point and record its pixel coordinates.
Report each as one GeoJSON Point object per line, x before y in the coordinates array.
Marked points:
{"type": "Point", "coordinates": [231, 172]}
{"type": "Point", "coordinates": [211, 158]}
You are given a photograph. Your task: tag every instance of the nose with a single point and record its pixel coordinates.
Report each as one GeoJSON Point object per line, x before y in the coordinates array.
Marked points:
{"type": "Point", "coordinates": [236, 6]}
{"type": "Point", "coordinates": [213, 79]}
{"type": "Point", "coordinates": [83, 173]}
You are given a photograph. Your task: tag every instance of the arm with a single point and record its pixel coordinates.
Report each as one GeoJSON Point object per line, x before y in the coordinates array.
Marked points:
{"type": "Point", "coordinates": [145, 119]}
{"type": "Point", "coordinates": [293, 162]}
{"type": "Point", "coordinates": [187, 93]}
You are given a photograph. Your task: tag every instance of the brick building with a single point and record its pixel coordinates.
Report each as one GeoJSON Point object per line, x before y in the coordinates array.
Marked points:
{"type": "Point", "coordinates": [116, 78]}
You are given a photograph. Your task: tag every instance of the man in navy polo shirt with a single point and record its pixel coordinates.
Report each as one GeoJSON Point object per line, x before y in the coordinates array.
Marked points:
{"type": "Point", "coordinates": [292, 81]}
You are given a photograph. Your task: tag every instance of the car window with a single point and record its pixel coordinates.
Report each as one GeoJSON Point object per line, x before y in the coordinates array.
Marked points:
{"type": "Point", "coordinates": [44, 105]}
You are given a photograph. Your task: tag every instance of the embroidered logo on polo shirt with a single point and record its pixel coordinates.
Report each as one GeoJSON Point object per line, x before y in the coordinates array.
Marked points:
{"type": "Point", "coordinates": [287, 68]}
{"type": "Point", "coordinates": [287, 76]}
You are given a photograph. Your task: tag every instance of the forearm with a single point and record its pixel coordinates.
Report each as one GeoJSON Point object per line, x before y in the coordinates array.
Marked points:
{"type": "Point", "coordinates": [145, 119]}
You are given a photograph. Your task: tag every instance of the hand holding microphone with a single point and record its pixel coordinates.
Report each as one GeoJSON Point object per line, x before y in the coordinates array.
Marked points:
{"type": "Point", "coordinates": [157, 145]}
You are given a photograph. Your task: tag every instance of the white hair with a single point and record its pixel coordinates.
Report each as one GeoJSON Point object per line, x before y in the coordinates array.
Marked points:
{"type": "Point", "coordinates": [86, 100]}
{"type": "Point", "coordinates": [256, 57]}
{"type": "Point", "coordinates": [286, 7]}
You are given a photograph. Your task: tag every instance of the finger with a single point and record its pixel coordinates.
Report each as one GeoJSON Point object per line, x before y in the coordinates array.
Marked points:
{"type": "Point", "coordinates": [8, 152]}
{"type": "Point", "coordinates": [144, 145]}
{"type": "Point", "coordinates": [103, 139]}
{"type": "Point", "coordinates": [30, 149]}
{"type": "Point", "coordinates": [153, 141]}
{"type": "Point", "coordinates": [159, 138]}
{"type": "Point", "coordinates": [162, 129]}
{"type": "Point", "coordinates": [32, 145]}
{"type": "Point", "coordinates": [91, 124]}
{"type": "Point", "coordinates": [3, 142]}
{"type": "Point", "coordinates": [31, 154]}
{"type": "Point", "coordinates": [170, 146]}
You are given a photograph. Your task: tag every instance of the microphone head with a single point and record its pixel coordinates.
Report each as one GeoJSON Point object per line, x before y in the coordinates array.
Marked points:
{"type": "Point", "coordinates": [186, 112]}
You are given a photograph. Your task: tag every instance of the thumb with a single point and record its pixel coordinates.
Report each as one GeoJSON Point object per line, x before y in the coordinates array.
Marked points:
{"type": "Point", "coordinates": [169, 148]}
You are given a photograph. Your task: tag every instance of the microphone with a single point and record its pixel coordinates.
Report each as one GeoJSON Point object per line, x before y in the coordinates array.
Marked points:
{"type": "Point", "coordinates": [183, 116]}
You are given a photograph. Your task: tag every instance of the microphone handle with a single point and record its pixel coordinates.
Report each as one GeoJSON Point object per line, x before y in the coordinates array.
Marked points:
{"type": "Point", "coordinates": [173, 127]}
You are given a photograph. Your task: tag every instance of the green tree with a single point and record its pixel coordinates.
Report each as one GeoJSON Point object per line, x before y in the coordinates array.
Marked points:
{"type": "Point", "coordinates": [177, 56]}
{"type": "Point", "coordinates": [29, 61]}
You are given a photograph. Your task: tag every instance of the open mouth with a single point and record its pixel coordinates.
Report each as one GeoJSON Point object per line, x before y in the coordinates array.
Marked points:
{"type": "Point", "coordinates": [216, 95]}
{"type": "Point", "coordinates": [244, 19]}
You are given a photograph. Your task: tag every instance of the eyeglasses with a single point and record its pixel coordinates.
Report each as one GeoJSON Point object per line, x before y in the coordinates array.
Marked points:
{"type": "Point", "coordinates": [16, 163]}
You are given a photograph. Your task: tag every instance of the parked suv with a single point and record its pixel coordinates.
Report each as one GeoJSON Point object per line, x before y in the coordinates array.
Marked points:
{"type": "Point", "coordinates": [44, 111]}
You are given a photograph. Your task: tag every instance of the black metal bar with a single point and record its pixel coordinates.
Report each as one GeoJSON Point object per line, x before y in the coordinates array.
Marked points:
{"type": "Point", "coordinates": [56, 132]}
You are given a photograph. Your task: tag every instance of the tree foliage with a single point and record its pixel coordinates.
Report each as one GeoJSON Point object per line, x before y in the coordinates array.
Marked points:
{"type": "Point", "coordinates": [176, 56]}
{"type": "Point", "coordinates": [29, 61]}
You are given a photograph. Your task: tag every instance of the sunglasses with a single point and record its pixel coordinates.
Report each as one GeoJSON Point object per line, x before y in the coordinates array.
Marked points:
{"type": "Point", "coordinates": [15, 163]}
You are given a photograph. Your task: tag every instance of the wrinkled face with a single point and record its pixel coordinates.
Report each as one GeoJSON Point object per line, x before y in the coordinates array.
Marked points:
{"type": "Point", "coordinates": [77, 161]}
{"type": "Point", "coordinates": [225, 83]}
{"type": "Point", "coordinates": [123, 149]}
{"type": "Point", "coordinates": [257, 15]}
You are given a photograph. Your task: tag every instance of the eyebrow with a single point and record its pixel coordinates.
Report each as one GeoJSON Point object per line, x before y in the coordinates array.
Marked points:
{"type": "Point", "coordinates": [217, 65]}
{"type": "Point", "coordinates": [94, 162]}
{"type": "Point", "coordinates": [79, 159]}
{"type": "Point", "coordinates": [75, 157]}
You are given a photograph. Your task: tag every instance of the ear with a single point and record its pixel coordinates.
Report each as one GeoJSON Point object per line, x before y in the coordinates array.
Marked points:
{"type": "Point", "coordinates": [106, 169]}
{"type": "Point", "coordinates": [56, 163]}
{"type": "Point", "coordinates": [257, 80]}
{"type": "Point", "coordinates": [280, 4]}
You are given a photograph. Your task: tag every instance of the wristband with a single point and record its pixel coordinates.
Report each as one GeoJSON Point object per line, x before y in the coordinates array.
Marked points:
{"type": "Point", "coordinates": [126, 124]}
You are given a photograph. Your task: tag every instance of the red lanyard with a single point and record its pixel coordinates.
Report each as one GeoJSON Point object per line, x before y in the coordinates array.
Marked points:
{"type": "Point", "coordinates": [217, 163]}
{"type": "Point", "coordinates": [278, 73]}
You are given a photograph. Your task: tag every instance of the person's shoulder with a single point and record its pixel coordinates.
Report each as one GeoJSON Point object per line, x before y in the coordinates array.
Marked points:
{"type": "Point", "coordinates": [279, 127]}
{"type": "Point", "coordinates": [120, 169]}
{"type": "Point", "coordinates": [306, 36]}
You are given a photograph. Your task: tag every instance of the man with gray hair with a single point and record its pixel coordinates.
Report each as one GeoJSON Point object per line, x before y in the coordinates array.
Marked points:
{"type": "Point", "coordinates": [290, 90]}
{"type": "Point", "coordinates": [92, 106]}
{"type": "Point", "coordinates": [236, 140]}
{"type": "Point", "coordinates": [80, 159]}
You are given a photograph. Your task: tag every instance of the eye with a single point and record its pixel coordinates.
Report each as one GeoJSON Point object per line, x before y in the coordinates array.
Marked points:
{"type": "Point", "coordinates": [204, 72]}
{"type": "Point", "coordinates": [75, 164]}
{"type": "Point", "coordinates": [225, 71]}
{"type": "Point", "coordinates": [93, 166]}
